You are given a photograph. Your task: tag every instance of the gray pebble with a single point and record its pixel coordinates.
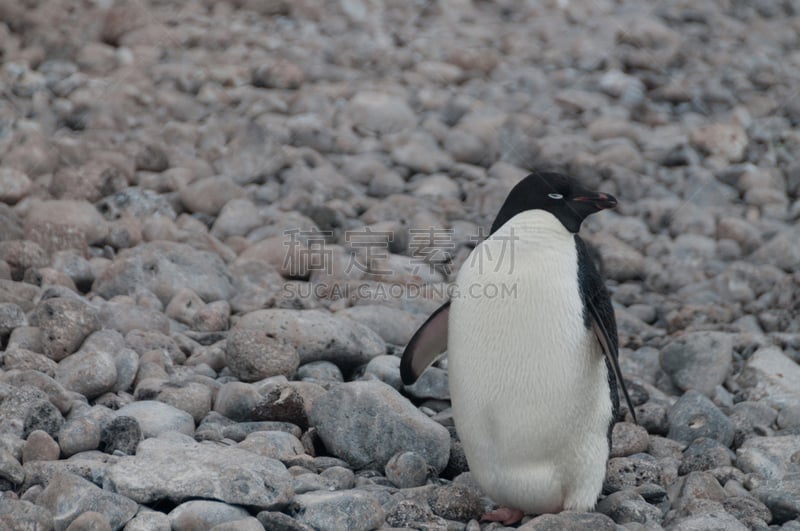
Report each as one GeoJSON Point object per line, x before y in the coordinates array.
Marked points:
{"type": "Point", "coordinates": [165, 268]}
{"type": "Point", "coordinates": [631, 471]}
{"type": "Point", "coordinates": [79, 434]}
{"type": "Point", "coordinates": [407, 470]}
{"type": "Point", "coordinates": [318, 335]}
{"type": "Point", "coordinates": [628, 439]}
{"type": "Point", "coordinates": [769, 457]}
{"type": "Point", "coordinates": [10, 469]}
{"type": "Point", "coordinates": [203, 514]}
{"type": "Point", "coordinates": [64, 323]}
{"type": "Point", "coordinates": [156, 417]}
{"type": "Point", "coordinates": [699, 360]}
{"type": "Point", "coordinates": [121, 435]}
{"type": "Point", "coordinates": [627, 506]}
{"type": "Point", "coordinates": [245, 524]}
{"type": "Point", "coordinates": [146, 520]}
{"type": "Point", "coordinates": [67, 496]}
{"type": "Point", "coordinates": [253, 355]}
{"type": "Point", "coordinates": [395, 326]}
{"type": "Point", "coordinates": [342, 478]}
{"type": "Point", "coordinates": [694, 415]}
{"type": "Point", "coordinates": [321, 372]}
{"type": "Point", "coordinates": [237, 400]}
{"type": "Point", "coordinates": [348, 509]}
{"type": "Point", "coordinates": [281, 522]}
{"type": "Point", "coordinates": [90, 372]}
{"type": "Point", "coordinates": [21, 515]}
{"type": "Point", "coordinates": [90, 521]}
{"type": "Point", "coordinates": [703, 454]}
{"type": "Point", "coordinates": [570, 521]}
{"type": "Point", "coordinates": [433, 383]}
{"type": "Point", "coordinates": [782, 498]}
{"type": "Point", "coordinates": [40, 446]}
{"type": "Point", "coordinates": [275, 444]}
{"type": "Point", "coordinates": [177, 468]}
{"type": "Point", "coordinates": [394, 424]}
{"type": "Point", "coordinates": [192, 397]}
{"type": "Point", "coordinates": [385, 368]}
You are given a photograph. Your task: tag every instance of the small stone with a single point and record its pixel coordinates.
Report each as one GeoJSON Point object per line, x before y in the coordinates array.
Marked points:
{"type": "Point", "coordinates": [209, 195]}
{"type": "Point", "coordinates": [23, 359]}
{"type": "Point", "coordinates": [694, 415]}
{"type": "Point", "coordinates": [782, 498]}
{"type": "Point", "coordinates": [414, 515]}
{"type": "Point", "coordinates": [455, 502]}
{"type": "Point", "coordinates": [342, 478]}
{"type": "Point", "coordinates": [203, 514]}
{"type": "Point", "coordinates": [407, 470]}
{"type": "Point", "coordinates": [156, 417]}
{"type": "Point", "coordinates": [10, 469]}
{"type": "Point", "coordinates": [318, 335]}
{"type": "Point", "coordinates": [64, 324]}
{"type": "Point", "coordinates": [275, 444]}
{"type": "Point", "coordinates": [394, 425]}
{"type": "Point", "coordinates": [121, 435]}
{"type": "Point", "coordinates": [78, 214]}
{"type": "Point", "coordinates": [14, 185]}
{"type": "Point", "coordinates": [347, 509]}
{"type": "Point", "coordinates": [165, 268]}
{"type": "Point", "coordinates": [192, 397]}
{"type": "Point", "coordinates": [769, 457]}
{"type": "Point", "coordinates": [626, 506]}
{"type": "Point", "coordinates": [699, 360]}
{"type": "Point", "coordinates": [90, 372]}
{"type": "Point", "coordinates": [385, 368]}
{"type": "Point", "coordinates": [703, 454]}
{"type": "Point", "coordinates": [705, 521]}
{"type": "Point", "coordinates": [281, 74]}
{"type": "Point", "coordinates": [632, 471]}
{"type": "Point", "coordinates": [320, 372]}
{"type": "Point", "coordinates": [570, 521]}
{"type": "Point", "coordinates": [376, 113]}
{"type": "Point", "coordinates": [395, 326]}
{"type": "Point", "coordinates": [20, 515]}
{"type": "Point", "coordinates": [628, 439]}
{"type": "Point", "coordinates": [771, 376]}
{"type": "Point", "coordinates": [237, 401]}
{"type": "Point", "coordinates": [151, 158]}
{"type": "Point", "coordinates": [149, 521]}
{"type": "Point", "coordinates": [79, 435]}
{"type": "Point", "coordinates": [244, 524]}
{"type": "Point", "coordinates": [90, 521]}
{"type": "Point", "coordinates": [433, 383]}
{"type": "Point", "coordinates": [725, 140]}
{"type": "Point", "coordinates": [179, 469]}
{"type": "Point", "coordinates": [68, 496]}
{"type": "Point", "coordinates": [281, 522]}
{"type": "Point", "coordinates": [40, 446]}
{"type": "Point", "coordinates": [253, 354]}
{"type": "Point", "coordinates": [745, 508]}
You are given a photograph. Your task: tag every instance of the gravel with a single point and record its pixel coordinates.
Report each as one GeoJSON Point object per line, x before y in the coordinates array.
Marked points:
{"type": "Point", "coordinates": [190, 325]}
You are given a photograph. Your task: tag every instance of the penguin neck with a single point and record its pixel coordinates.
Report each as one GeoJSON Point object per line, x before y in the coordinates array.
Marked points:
{"type": "Point", "coordinates": [534, 226]}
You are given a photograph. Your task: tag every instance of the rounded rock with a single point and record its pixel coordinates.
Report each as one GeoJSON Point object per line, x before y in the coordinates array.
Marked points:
{"type": "Point", "coordinates": [40, 446]}
{"type": "Point", "coordinates": [253, 354]}
{"type": "Point", "coordinates": [407, 470]}
{"type": "Point", "coordinates": [157, 417]}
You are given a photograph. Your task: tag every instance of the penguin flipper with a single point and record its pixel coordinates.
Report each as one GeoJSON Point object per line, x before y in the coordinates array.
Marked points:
{"type": "Point", "coordinates": [428, 343]}
{"type": "Point", "coordinates": [612, 356]}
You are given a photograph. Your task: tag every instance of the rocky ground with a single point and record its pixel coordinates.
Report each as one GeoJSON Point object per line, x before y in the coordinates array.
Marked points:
{"type": "Point", "coordinates": [174, 356]}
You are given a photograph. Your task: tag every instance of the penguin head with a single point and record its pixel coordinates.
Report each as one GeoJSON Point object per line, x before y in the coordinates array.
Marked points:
{"type": "Point", "coordinates": [559, 194]}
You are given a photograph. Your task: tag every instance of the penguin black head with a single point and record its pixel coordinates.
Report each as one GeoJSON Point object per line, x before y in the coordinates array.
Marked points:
{"type": "Point", "coordinates": [559, 194]}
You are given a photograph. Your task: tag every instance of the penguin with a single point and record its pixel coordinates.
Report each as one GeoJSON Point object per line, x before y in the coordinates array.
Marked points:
{"type": "Point", "coordinates": [534, 375]}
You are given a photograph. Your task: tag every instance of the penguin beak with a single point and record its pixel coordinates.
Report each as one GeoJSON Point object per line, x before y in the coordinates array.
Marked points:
{"type": "Point", "coordinates": [599, 201]}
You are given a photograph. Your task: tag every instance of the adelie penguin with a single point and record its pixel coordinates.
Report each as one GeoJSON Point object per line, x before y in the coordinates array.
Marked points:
{"type": "Point", "coordinates": [534, 376]}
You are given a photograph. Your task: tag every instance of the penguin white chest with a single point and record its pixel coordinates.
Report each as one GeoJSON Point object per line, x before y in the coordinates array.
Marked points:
{"type": "Point", "coordinates": [528, 380]}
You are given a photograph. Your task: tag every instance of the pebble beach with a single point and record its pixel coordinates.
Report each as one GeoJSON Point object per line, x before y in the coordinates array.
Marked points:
{"type": "Point", "coordinates": [221, 222]}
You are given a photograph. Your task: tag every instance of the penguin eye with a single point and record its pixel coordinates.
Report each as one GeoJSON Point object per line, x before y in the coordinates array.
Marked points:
{"type": "Point", "coordinates": [555, 196]}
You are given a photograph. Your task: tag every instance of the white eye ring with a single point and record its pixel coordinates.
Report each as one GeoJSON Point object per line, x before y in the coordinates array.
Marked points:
{"type": "Point", "coordinates": [555, 196]}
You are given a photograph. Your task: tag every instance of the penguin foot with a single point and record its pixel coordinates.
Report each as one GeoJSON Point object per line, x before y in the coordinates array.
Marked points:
{"type": "Point", "coordinates": [504, 515]}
